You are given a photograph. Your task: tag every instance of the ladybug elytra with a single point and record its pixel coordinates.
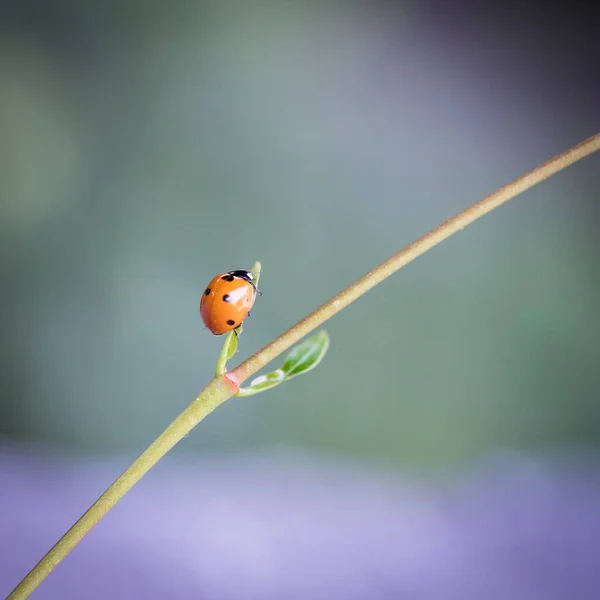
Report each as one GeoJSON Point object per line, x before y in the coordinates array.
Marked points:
{"type": "Point", "coordinates": [227, 301]}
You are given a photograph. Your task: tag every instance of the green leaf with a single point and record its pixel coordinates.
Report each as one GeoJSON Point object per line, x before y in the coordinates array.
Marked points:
{"type": "Point", "coordinates": [232, 344]}
{"type": "Point", "coordinates": [227, 352]}
{"type": "Point", "coordinates": [256, 269]}
{"type": "Point", "coordinates": [262, 383]}
{"type": "Point", "coordinates": [306, 355]}
{"type": "Point", "coordinates": [266, 382]}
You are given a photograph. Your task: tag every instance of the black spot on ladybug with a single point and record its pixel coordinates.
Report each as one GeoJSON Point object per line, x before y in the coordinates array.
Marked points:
{"type": "Point", "coordinates": [227, 277]}
{"type": "Point", "coordinates": [207, 291]}
{"type": "Point", "coordinates": [226, 298]}
{"type": "Point", "coordinates": [230, 322]}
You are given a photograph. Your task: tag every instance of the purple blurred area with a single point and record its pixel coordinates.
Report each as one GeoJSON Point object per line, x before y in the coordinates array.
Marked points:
{"type": "Point", "coordinates": [292, 526]}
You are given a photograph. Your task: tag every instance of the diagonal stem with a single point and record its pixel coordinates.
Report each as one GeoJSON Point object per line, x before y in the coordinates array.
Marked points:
{"type": "Point", "coordinates": [223, 387]}
{"type": "Point", "coordinates": [408, 254]}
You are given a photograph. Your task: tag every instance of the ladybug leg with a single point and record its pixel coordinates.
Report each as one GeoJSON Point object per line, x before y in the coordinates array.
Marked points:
{"type": "Point", "coordinates": [256, 290]}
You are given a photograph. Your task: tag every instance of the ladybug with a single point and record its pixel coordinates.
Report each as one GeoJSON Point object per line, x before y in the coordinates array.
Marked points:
{"type": "Point", "coordinates": [227, 301]}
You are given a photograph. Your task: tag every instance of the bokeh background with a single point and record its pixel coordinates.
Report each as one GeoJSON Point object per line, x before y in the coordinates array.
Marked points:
{"type": "Point", "coordinates": [146, 146]}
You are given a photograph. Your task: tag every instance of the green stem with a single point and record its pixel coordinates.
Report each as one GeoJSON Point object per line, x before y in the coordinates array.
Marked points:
{"type": "Point", "coordinates": [217, 391]}
{"type": "Point", "coordinates": [408, 254]}
{"type": "Point", "coordinates": [226, 354]}
{"type": "Point", "coordinates": [223, 387]}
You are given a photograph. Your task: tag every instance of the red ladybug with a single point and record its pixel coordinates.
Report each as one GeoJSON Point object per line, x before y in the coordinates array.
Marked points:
{"type": "Point", "coordinates": [227, 301]}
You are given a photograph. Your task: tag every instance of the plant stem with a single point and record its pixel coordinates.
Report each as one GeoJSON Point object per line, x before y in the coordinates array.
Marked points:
{"type": "Point", "coordinates": [221, 367]}
{"type": "Point", "coordinates": [217, 391]}
{"type": "Point", "coordinates": [222, 388]}
{"type": "Point", "coordinates": [408, 254]}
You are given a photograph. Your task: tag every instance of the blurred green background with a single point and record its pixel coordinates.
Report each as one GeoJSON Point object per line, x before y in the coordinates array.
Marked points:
{"type": "Point", "coordinates": [146, 146]}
